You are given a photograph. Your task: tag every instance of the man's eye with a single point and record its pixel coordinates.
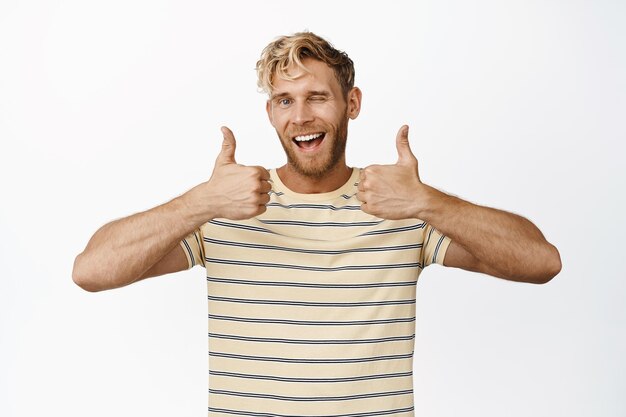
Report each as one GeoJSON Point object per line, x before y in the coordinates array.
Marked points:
{"type": "Point", "coordinates": [318, 98]}
{"type": "Point", "coordinates": [284, 102]}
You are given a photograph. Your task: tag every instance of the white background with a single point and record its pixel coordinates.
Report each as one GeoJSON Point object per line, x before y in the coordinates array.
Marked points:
{"type": "Point", "coordinates": [109, 108]}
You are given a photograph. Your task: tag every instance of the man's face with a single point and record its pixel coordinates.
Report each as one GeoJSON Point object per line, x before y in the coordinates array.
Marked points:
{"type": "Point", "coordinates": [310, 115]}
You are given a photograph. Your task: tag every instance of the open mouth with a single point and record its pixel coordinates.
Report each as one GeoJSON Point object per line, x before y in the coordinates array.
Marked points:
{"type": "Point", "coordinates": [310, 141]}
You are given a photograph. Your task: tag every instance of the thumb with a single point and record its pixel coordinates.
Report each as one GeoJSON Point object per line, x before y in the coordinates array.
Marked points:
{"type": "Point", "coordinates": [405, 156]}
{"type": "Point", "coordinates": [227, 154]}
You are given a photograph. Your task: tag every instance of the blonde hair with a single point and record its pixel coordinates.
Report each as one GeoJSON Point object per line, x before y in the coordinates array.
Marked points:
{"type": "Point", "coordinates": [288, 50]}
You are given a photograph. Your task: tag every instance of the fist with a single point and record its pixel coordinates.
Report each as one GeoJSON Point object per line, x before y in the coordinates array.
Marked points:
{"type": "Point", "coordinates": [235, 191]}
{"type": "Point", "coordinates": [392, 191]}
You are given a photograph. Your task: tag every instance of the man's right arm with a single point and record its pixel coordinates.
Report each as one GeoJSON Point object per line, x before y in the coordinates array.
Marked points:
{"type": "Point", "coordinates": [123, 251]}
{"type": "Point", "coordinates": [147, 244]}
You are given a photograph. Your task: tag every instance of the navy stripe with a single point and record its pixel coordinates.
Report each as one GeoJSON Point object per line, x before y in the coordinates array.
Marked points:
{"type": "Point", "coordinates": [193, 261]}
{"type": "Point", "coordinates": [373, 232]}
{"type": "Point", "coordinates": [286, 398]}
{"type": "Point", "coordinates": [312, 251]}
{"type": "Point", "coordinates": [240, 226]}
{"type": "Point", "coordinates": [310, 303]}
{"type": "Point", "coordinates": [311, 380]}
{"type": "Point", "coordinates": [311, 322]}
{"type": "Point", "coordinates": [364, 414]}
{"type": "Point", "coordinates": [437, 249]}
{"type": "Point", "coordinates": [313, 268]}
{"type": "Point", "coordinates": [311, 285]}
{"type": "Point", "coordinates": [395, 230]}
{"type": "Point", "coordinates": [310, 360]}
{"type": "Point", "coordinates": [430, 233]}
{"type": "Point", "coordinates": [313, 206]}
{"type": "Point", "coordinates": [323, 224]}
{"type": "Point", "coordinates": [311, 341]}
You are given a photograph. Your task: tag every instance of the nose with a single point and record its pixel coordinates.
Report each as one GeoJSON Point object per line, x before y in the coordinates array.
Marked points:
{"type": "Point", "coordinates": [302, 113]}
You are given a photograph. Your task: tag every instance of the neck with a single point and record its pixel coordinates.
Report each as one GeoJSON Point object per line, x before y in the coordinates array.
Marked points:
{"type": "Point", "coordinates": [302, 184]}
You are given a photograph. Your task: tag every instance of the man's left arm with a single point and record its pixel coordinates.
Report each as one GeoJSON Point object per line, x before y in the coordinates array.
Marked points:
{"type": "Point", "coordinates": [484, 239]}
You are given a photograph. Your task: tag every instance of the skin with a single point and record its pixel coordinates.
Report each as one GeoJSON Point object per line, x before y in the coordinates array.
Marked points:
{"type": "Point", "coordinates": [146, 244]}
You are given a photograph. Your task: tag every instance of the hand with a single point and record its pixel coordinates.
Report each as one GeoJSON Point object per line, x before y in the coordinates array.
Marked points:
{"type": "Point", "coordinates": [234, 191]}
{"type": "Point", "coordinates": [393, 191]}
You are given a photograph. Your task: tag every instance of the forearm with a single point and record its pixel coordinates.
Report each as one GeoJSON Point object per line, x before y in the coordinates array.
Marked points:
{"type": "Point", "coordinates": [505, 242]}
{"type": "Point", "coordinates": [123, 251]}
{"type": "Point", "coordinates": [120, 252]}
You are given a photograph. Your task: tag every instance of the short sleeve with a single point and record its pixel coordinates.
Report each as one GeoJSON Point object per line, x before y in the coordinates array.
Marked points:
{"type": "Point", "coordinates": [193, 248]}
{"type": "Point", "coordinates": [435, 246]}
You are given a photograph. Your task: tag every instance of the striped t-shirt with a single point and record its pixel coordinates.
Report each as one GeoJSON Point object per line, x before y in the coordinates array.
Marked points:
{"type": "Point", "coordinates": [312, 306]}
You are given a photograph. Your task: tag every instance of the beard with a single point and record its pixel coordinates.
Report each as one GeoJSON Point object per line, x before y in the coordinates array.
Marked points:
{"type": "Point", "coordinates": [322, 164]}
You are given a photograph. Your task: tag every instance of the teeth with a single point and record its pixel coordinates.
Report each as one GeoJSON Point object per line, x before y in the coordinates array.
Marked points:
{"type": "Point", "coordinates": [307, 137]}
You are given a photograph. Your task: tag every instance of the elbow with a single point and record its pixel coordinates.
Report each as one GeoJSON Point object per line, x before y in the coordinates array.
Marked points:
{"type": "Point", "coordinates": [82, 277]}
{"type": "Point", "coordinates": [550, 265]}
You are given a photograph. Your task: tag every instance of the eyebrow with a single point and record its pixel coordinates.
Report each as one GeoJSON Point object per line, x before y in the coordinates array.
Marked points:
{"type": "Point", "coordinates": [280, 95]}
{"type": "Point", "coordinates": [309, 93]}
{"type": "Point", "coordinates": [319, 93]}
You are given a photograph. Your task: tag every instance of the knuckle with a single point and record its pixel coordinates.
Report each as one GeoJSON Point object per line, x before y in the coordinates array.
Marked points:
{"type": "Point", "coordinates": [371, 169]}
{"type": "Point", "coordinates": [261, 172]}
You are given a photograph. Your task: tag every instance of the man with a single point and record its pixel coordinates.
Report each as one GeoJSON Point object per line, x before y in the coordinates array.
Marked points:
{"type": "Point", "coordinates": [311, 267]}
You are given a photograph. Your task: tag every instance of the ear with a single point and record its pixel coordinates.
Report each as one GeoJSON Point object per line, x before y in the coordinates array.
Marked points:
{"type": "Point", "coordinates": [268, 109]}
{"type": "Point", "coordinates": [354, 102]}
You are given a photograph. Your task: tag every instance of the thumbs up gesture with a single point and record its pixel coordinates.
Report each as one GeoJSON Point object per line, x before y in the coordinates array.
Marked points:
{"type": "Point", "coordinates": [234, 191]}
{"type": "Point", "coordinates": [393, 191]}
